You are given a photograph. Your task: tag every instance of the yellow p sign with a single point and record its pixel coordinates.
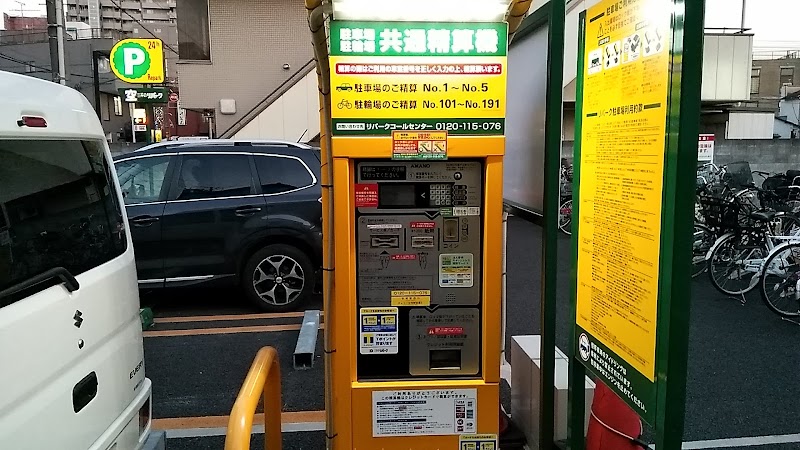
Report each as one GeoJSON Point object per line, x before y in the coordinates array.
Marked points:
{"type": "Point", "coordinates": [138, 60]}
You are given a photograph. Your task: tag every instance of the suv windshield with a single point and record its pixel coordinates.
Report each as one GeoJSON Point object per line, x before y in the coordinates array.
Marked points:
{"type": "Point", "coordinates": [58, 208]}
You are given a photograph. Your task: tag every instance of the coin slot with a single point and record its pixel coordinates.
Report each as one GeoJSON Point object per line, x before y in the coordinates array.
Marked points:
{"type": "Point", "coordinates": [445, 359]}
{"type": "Point", "coordinates": [422, 242]}
{"type": "Point", "coordinates": [451, 230]}
{"type": "Point", "coordinates": [385, 241]}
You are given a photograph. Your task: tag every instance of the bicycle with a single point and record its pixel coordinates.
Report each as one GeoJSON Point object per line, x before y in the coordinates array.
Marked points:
{"type": "Point", "coordinates": [565, 206]}
{"type": "Point", "coordinates": [738, 256]}
{"type": "Point", "coordinates": [780, 281]}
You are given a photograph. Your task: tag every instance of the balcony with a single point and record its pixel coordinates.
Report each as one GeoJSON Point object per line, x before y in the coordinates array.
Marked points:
{"type": "Point", "coordinates": [154, 14]}
{"type": "Point", "coordinates": [110, 13]}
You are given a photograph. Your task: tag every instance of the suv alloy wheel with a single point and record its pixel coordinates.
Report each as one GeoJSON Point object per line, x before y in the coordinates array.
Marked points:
{"type": "Point", "coordinates": [278, 278]}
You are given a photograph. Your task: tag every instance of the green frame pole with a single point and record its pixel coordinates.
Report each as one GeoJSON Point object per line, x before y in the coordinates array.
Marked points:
{"type": "Point", "coordinates": [576, 394]}
{"type": "Point", "coordinates": [552, 175]}
{"type": "Point", "coordinates": [681, 158]}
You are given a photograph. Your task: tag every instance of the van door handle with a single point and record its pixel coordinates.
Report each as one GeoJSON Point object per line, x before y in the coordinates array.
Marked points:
{"type": "Point", "coordinates": [144, 221]}
{"type": "Point", "coordinates": [84, 392]}
{"type": "Point", "coordinates": [247, 211]}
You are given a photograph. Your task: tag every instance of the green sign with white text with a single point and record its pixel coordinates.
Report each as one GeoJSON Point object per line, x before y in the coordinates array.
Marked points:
{"type": "Point", "coordinates": [418, 39]}
{"type": "Point", "coordinates": [144, 95]}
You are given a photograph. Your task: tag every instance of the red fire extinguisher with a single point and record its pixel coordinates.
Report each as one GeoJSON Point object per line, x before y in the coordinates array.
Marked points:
{"type": "Point", "coordinates": [613, 425]}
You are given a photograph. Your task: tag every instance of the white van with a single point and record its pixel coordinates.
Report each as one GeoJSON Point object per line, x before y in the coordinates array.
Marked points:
{"type": "Point", "coordinates": [71, 355]}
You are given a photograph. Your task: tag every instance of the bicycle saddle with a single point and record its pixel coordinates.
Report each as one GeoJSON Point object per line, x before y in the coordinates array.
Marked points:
{"type": "Point", "coordinates": [762, 216]}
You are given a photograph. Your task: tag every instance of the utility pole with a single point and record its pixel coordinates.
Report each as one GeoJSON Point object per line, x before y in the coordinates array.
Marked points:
{"type": "Point", "coordinates": [55, 32]}
{"type": "Point", "coordinates": [744, 9]}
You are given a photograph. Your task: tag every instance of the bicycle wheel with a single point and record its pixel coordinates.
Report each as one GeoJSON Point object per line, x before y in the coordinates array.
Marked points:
{"type": "Point", "coordinates": [785, 224]}
{"type": "Point", "coordinates": [735, 263]}
{"type": "Point", "coordinates": [703, 240]}
{"type": "Point", "coordinates": [780, 284]}
{"type": "Point", "coordinates": [565, 217]}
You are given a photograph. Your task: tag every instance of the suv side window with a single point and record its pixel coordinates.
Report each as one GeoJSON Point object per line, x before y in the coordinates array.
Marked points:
{"type": "Point", "coordinates": [282, 174]}
{"type": "Point", "coordinates": [142, 179]}
{"type": "Point", "coordinates": [214, 176]}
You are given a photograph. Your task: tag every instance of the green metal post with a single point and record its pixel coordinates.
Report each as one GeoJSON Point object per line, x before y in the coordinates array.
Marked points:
{"type": "Point", "coordinates": [680, 166]}
{"type": "Point", "coordinates": [577, 373]}
{"type": "Point", "coordinates": [552, 174]}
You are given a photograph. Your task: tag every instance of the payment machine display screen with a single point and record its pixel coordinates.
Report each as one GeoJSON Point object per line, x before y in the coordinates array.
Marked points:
{"type": "Point", "coordinates": [397, 195]}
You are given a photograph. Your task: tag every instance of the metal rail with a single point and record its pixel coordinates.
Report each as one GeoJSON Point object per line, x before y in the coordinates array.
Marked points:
{"type": "Point", "coordinates": [303, 358]}
{"type": "Point", "coordinates": [264, 377]}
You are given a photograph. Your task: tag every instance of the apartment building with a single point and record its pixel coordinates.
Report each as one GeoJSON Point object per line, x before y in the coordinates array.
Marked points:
{"type": "Point", "coordinates": [239, 57]}
{"type": "Point", "coordinates": [771, 74]}
{"type": "Point", "coordinates": [131, 19]}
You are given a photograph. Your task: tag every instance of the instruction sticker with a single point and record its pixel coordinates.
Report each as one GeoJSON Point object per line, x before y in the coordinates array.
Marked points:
{"type": "Point", "coordinates": [366, 195]}
{"type": "Point", "coordinates": [425, 412]}
{"type": "Point", "coordinates": [411, 298]}
{"type": "Point", "coordinates": [455, 270]}
{"type": "Point", "coordinates": [378, 331]}
{"type": "Point", "coordinates": [419, 145]}
{"type": "Point", "coordinates": [467, 211]}
{"type": "Point", "coordinates": [477, 442]}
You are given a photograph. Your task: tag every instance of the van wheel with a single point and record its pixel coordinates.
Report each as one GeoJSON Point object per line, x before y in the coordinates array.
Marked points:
{"type": "Point", "coordinates": [278, 278]}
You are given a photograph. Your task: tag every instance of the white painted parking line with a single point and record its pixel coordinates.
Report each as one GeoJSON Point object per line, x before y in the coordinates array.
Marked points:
{"type": "Point", "coordinates": [755, 441]}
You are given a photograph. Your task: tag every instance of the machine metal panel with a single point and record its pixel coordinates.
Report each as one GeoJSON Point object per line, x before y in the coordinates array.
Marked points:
{"type": "Point", "coordinates": [444, 342]}
{"type": "Point", "coordinates": [421, 245]}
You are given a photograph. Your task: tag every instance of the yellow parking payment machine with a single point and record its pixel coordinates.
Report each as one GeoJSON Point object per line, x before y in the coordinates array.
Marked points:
{"type": "Point", "coordinates": [417, 154]}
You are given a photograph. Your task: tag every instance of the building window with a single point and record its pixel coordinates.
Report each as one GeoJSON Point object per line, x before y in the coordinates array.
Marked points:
{"type": "Point", "coordinates": [194, 42]}
{"type": "Point", "coordinates": [787, 76]}
{"type": "Point", "coordinates": [117, 106]}
{"type": "Point", "coordinates": [755, 80]}
{"type": "Point", "coordinates": [105, 110]}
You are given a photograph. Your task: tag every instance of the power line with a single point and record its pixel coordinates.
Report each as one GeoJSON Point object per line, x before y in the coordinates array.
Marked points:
{"type": "Point", "coordinates": [169, 47]}
{"type": "Point", "coordinates": [43, 69]}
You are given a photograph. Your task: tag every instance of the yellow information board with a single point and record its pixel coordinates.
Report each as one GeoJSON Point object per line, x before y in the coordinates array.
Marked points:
{"type": "Point", "coordinates": [625, 110]}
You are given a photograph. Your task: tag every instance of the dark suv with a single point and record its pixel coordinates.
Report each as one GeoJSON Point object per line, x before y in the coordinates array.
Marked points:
{"type": "Point", "coordinates": [241, 213]}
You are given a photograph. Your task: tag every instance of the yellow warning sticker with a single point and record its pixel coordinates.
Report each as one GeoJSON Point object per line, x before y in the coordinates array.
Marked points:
{"type": "Point", "coordinates": [369, 320]}
{"type": "Point", "coordinates": [388, 320]}
{"type": "Point", "coordinates": [477, 442]}
{"type": "Point", "coordinates": [412, 300]}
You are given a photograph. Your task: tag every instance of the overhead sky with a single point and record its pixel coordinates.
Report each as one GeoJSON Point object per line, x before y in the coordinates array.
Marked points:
{"type": "Point", "coordinates": [774, 22]}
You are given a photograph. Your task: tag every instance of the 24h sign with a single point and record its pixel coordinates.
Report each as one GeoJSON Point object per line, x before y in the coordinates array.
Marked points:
{"type": "Point", "coordinates": [138, 60]}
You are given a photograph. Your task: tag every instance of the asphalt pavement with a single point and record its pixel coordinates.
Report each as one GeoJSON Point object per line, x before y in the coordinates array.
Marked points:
{"type": "Point", "coordinates": [743, 360]}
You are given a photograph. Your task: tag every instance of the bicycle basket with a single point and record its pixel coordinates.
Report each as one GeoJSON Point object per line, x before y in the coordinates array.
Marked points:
{"type": "Point", "coordinates": [739, 175]}
{"type": "Point", "coordinates": [776, 189]}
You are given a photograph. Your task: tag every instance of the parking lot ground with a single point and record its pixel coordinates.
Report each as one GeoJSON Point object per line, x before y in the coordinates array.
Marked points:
{"type": "Point", "coordinates": [742, 380]}
{"type": "Point", "coordinates": [198, 353]}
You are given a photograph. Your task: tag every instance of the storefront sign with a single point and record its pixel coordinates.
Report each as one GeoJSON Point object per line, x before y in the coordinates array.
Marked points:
{"type": "Point", "coordinates": [138, 60]}
{"type": "Point", "coordinates": [144, 95]}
